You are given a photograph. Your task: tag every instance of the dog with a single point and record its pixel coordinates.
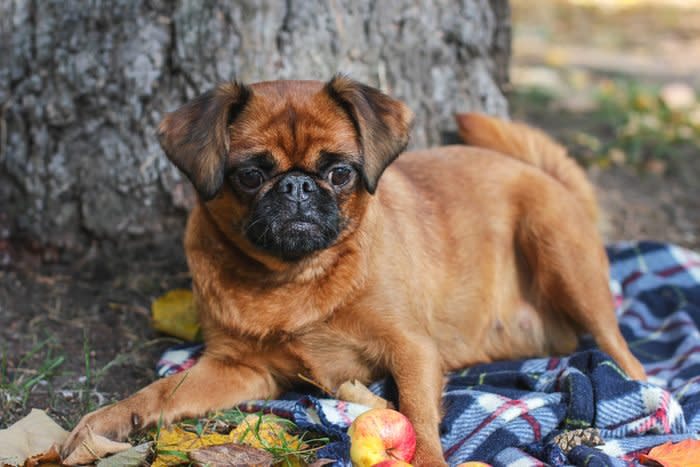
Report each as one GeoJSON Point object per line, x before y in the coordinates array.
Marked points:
{"type": "Point", "coordinates": [315, 251]}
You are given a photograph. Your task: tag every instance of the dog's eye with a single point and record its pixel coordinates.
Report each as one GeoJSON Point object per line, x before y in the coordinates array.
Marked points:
{"type": "Point", "coordinates": [250, 178]}
{"type": "Point", "coordinates": [340, 176]}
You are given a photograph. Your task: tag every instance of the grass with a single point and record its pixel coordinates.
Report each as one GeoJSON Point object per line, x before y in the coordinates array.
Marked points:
{"type": "Point", "coordinates": [36, 370]}
{"type": "Point", "coordinates": [18, 380]}
{"type": "Point", "coordinates": [288, 445]}
{"type": "Point", "coordinates": [283, 439]}
{"type": "Point", "coordinates": [40, 372]}
{"type": "Point", "coordinates": [628, 123]}
{"type": "Point", "coordinates": [85, 398]}
{"type": "Point", "coordinates": [646, 127]}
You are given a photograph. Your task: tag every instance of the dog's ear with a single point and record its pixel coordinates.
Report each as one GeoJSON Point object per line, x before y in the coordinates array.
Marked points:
{"type": "Point", "coordinates": [196, 136]}
{"type": "Point", "coordinates": [383, 124]}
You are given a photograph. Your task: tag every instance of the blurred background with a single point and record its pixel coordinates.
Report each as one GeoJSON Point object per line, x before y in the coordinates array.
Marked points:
{"type": "Point", "coordinates": [616, 81]}
{"type": "Point", "coordinates": [91, 212]}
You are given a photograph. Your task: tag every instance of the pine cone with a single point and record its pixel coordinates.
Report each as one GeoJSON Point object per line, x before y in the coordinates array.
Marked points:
{"type": "Point", "coordinates": [570, 439]}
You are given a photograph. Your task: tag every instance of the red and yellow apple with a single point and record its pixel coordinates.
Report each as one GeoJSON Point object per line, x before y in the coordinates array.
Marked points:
{"type": "Point", "coordinates": [392, 463]}
{"type": "Point", "coordinates": [381, 438]}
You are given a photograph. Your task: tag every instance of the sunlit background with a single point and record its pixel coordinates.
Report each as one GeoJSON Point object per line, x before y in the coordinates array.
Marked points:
{"type": "Point", "coordinates": [617, 81]}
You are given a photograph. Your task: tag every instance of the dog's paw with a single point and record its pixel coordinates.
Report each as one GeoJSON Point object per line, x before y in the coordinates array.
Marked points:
{"type": "Point", "coordinates": [95, 436]}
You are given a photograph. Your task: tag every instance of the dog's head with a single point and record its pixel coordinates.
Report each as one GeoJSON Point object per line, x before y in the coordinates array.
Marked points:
{"type": "Point", "coordinates": [287, 165]}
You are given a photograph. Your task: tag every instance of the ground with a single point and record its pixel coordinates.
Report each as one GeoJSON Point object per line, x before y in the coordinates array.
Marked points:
{"type": "Point", "coordinates": [75, 335]}
{"type": "Point", "coordinates": [82, 328]}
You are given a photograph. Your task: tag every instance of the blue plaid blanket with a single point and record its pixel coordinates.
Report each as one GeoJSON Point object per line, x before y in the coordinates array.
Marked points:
{"type": "Point", "coordinates": [507, 413]}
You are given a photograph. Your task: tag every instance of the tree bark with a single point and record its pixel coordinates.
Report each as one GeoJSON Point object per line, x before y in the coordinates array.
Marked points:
{"type": "Point", "coordinates": [83, 85]}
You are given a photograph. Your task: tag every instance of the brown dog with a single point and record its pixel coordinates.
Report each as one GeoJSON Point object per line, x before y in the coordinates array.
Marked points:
{"type": "Point", "coordinates": [303, 262]}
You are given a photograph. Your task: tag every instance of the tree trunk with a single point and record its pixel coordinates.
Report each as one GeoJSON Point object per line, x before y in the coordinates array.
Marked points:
{"type": "Point", "coordinates": [83, 85]}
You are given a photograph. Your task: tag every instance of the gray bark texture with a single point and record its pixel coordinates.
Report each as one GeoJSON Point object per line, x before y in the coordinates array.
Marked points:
{"type": "Point", "coordinates": [83, 85]}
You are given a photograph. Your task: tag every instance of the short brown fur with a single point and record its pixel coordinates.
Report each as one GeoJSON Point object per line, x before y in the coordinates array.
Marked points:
{"type": "Point", "coordinates": [463, 255]}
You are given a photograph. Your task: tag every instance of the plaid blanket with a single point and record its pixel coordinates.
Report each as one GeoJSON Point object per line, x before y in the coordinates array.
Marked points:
{"type": "Point", "coordinates": [507, 413]}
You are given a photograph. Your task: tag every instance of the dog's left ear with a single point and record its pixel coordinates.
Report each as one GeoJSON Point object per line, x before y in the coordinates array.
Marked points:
{"type": "Point", "coordinates": [383, 124]}
{"type": "Point", "coordinates": [196, 136]}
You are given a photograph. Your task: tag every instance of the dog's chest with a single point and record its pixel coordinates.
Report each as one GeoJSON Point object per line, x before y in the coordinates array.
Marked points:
{"type": "Point", "coordinates": [331, 356]}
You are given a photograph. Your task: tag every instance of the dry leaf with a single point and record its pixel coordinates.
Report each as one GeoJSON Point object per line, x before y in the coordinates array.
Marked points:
{"type": "Point", "coordinates": [93, 448]}
{"type": "Point", "coordinates": [265, 432]}
{"type": "Point", "coordinates": [132, 457]}
{"type": "Point", "coordinates": [683, 454]}
{"type": "Point", "coordinates": [174, 313]}
{"type": "Point", "coordinates": [52, 456]}
{"type": "Point", "coordinates": [232, 454]}
{"type": "Point", "coordinates": [174, 444]}
{"type": "Point", "coordinates": [30, 437]}
{"type": "Point", "coordinates": [355, 391]}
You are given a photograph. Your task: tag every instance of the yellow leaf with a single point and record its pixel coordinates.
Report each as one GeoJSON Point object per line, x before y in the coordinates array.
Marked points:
{"type": "Point", "coordinates": [31, 436]}
{"type": "Point", "coordinates": [174, 313]}
{"type": "Point", "coordinates": [556, 57]}
{"type": "Point", "coordinates": [644, 101]}
{"type": "Point", "coordinates": [265, 432]}
{"type": "Point", "coordinates": [175, 440]}
{"type": "Point", "coordinates": [683, 454]}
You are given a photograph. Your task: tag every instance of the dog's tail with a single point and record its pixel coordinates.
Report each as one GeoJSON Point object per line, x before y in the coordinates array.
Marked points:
{"type": "Point", "coordinates": [533, 147]}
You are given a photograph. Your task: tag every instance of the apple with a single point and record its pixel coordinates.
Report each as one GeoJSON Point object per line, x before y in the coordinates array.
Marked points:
{"type": "Point", "coordinates": [381, 437]}
{"type": "Point", "coordinates": [392, 463]}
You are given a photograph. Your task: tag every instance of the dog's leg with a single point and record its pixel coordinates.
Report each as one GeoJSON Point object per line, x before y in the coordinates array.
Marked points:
{"type": "Point", "coordinates": [570, 272]}
{"type": "Point", "coordinates": [415, 365]}
{"type": "Point", "coordinates": [210, 384]}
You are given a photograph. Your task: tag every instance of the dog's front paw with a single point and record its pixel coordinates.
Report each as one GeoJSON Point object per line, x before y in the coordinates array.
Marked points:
{"type": "Point", "coordinates": [94, 436]}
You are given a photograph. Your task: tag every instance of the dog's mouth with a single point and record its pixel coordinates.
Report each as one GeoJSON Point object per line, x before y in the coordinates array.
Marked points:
{"type": "Point", "coordinates": [292, 239]}
{"type": "Point", "coordinates": [300, 226]}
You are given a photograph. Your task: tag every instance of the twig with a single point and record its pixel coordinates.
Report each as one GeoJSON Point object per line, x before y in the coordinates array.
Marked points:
{"type": "Point", "coordinates": [316, 384]}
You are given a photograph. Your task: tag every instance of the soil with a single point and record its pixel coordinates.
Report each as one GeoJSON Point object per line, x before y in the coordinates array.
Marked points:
{"type": "Point", "coordinates": [94, 312]}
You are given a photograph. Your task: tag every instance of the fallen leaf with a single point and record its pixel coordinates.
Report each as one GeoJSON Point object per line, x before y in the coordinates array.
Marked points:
{"type": "Point", "coordinates": [174, 313]}
{"type": "Point", "coordinates": [556, 57]}
{"type": "Point", "coordinates": [93, 448]}
{"type": "Point", "coordinates": [683, 454]}
{"type": "Point", "coordinates": [132, 457]}
{"type": "Point", "coordinates": [175, 443]}
{"type": "Point", "coordinates": [231, 454]}
{"type": "Point", "coordinates": [355, 391]}
{"type": "Point", "coordinates": [265, 431]}
{"type": "Point", "coordinates": [52, 456]}
{"type": "Point", "coordinates": [31, 437]}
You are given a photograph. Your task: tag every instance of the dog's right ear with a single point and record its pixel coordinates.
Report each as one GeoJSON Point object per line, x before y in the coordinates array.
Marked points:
{"type": "Point", "coordinates": [196, 136]}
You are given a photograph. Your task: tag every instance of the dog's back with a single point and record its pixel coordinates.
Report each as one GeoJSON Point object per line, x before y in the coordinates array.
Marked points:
{"type": "Point", "coordinates": [531, 146]}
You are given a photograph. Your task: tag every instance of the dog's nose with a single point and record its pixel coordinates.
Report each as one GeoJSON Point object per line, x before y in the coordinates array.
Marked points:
{"type": "Point", "coordinates": [297, 187]}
